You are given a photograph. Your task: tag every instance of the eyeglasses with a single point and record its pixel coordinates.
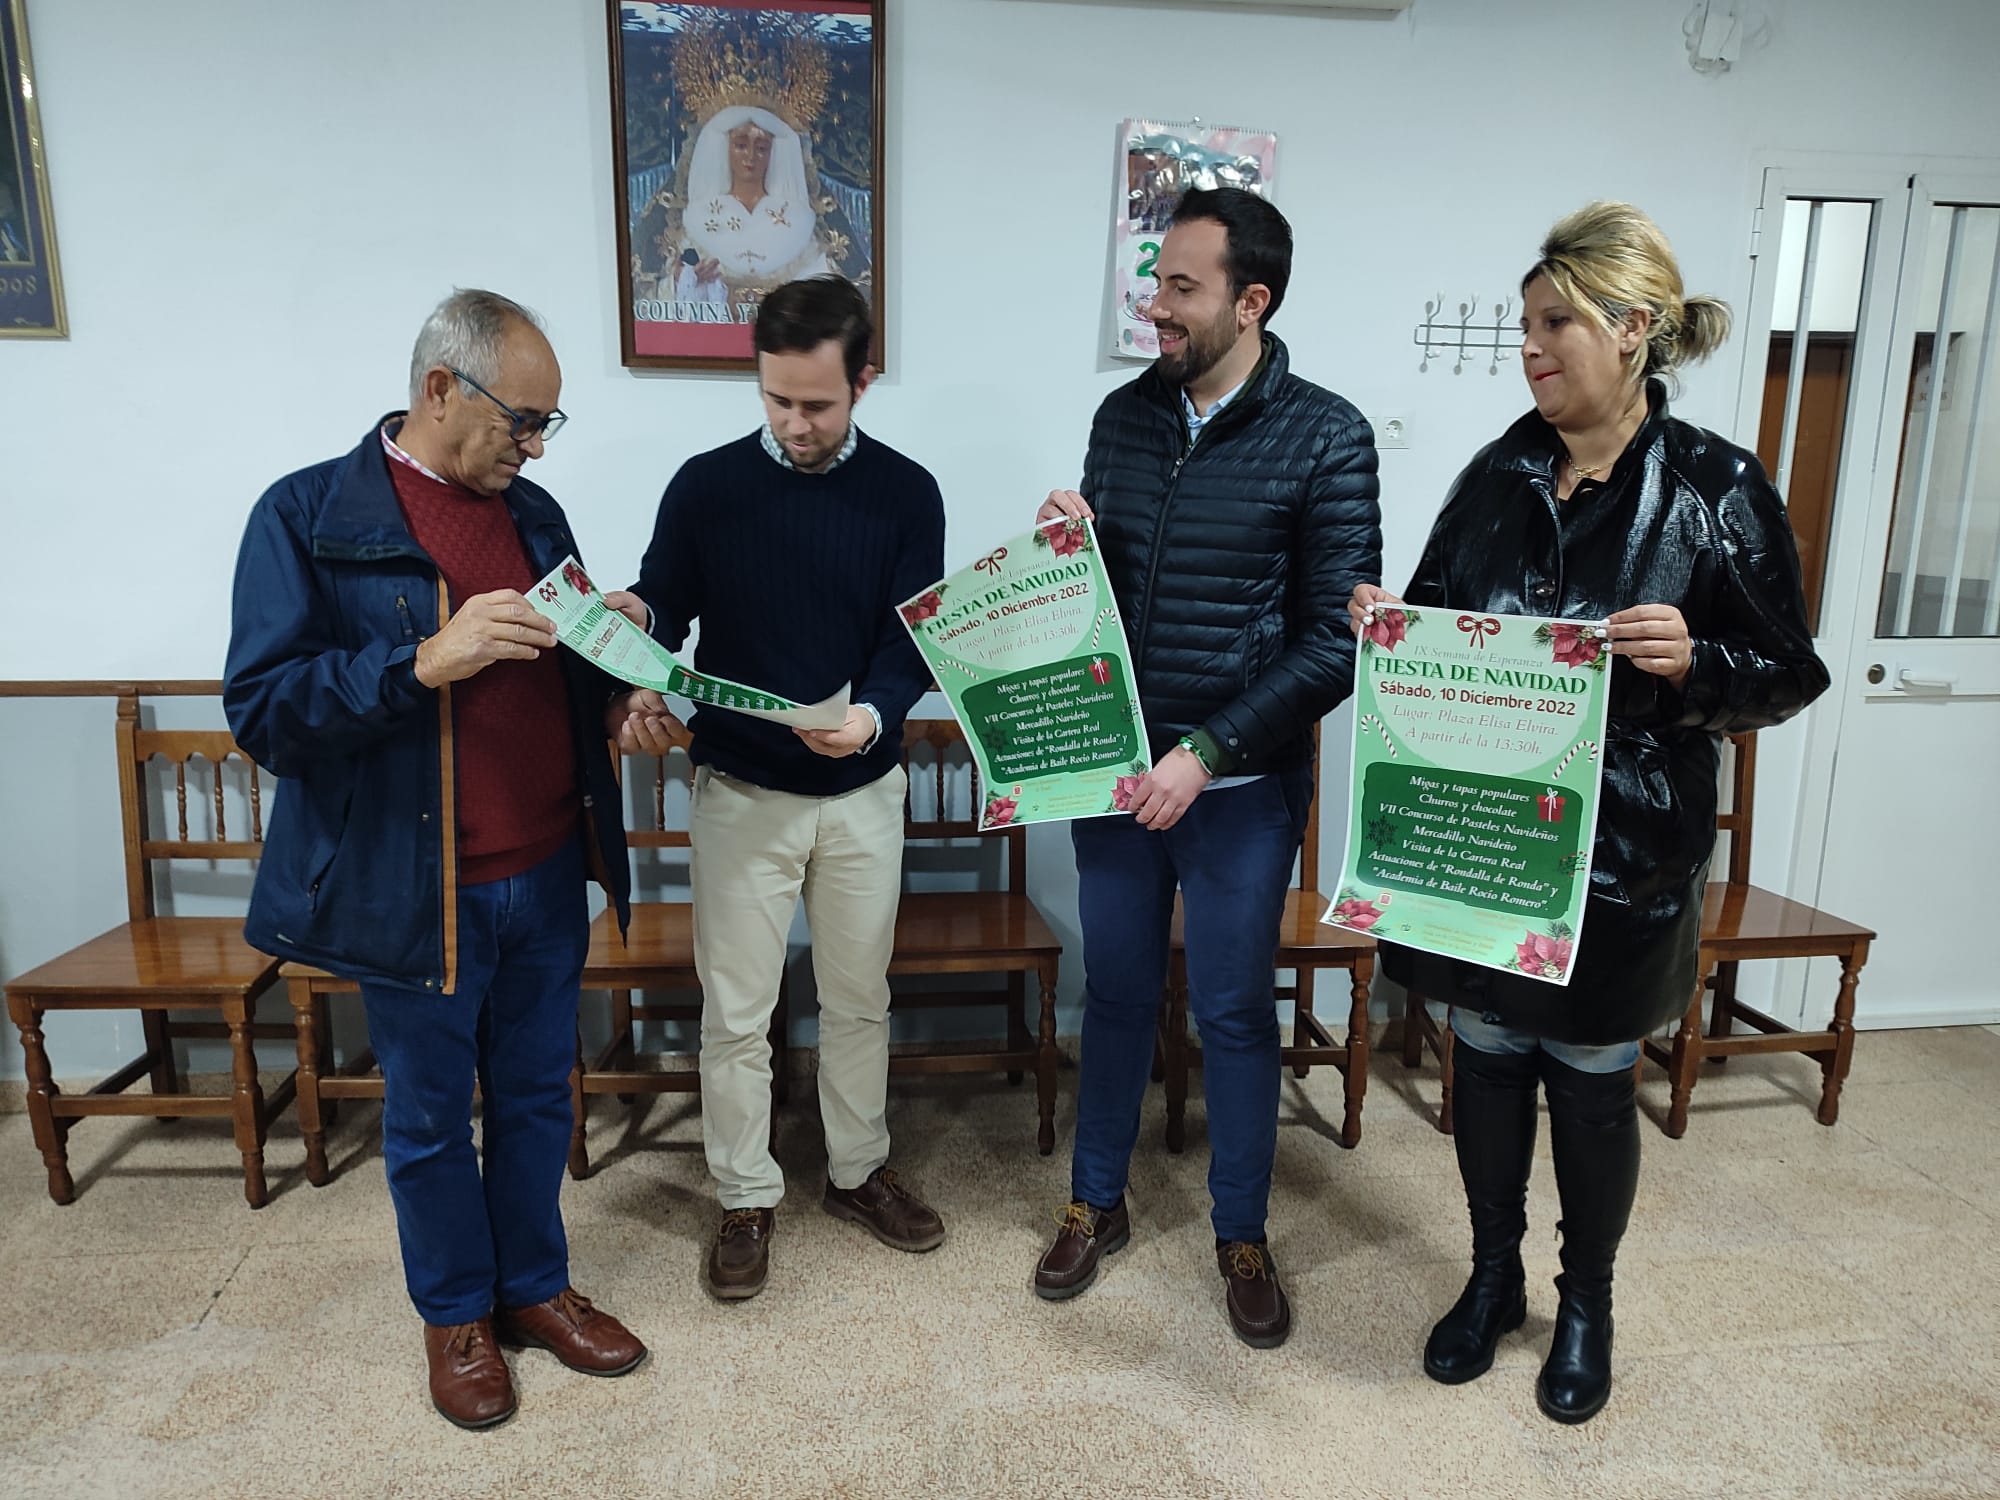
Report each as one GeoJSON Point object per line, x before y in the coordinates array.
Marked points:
{"type": "Point", "coordinates": [526, 424]}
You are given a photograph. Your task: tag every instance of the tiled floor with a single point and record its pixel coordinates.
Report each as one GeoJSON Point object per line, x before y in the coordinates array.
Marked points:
{"type": "Point", "coordinates": [1802, 1312]}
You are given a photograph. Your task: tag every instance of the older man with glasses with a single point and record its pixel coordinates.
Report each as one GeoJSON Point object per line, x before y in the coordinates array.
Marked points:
{"type": "Point", "coordinates": [445, 788]}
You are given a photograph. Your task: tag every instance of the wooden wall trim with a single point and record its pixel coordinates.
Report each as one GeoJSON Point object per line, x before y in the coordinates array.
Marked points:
{"type": "Point", "coordinates": [179, 687]}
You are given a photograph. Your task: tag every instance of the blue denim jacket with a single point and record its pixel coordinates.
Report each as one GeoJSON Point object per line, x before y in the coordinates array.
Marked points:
{"type": "Point", "coordinates": [332, 597]}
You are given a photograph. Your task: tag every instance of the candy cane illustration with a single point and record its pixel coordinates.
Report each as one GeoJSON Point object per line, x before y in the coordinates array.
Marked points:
{"type": "Point", "coordinates": [1570, 754]}
{"type": "Point", "coordinates": [1368, 720]}
{"type": "Point", "coordinates": [1104, 617]}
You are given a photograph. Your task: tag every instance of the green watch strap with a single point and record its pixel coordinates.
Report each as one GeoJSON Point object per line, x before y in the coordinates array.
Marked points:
{"type": "Point", "coordinates": [1203, 747]}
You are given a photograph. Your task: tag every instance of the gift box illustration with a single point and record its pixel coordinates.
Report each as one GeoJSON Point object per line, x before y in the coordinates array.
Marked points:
{"type": "Point", "coordinates": [1549, 806]}
{"type": "Point", "coordinates": [1100, 671]}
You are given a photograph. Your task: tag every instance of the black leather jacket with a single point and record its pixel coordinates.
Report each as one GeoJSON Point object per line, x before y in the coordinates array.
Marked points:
{"type": "Point", "coordinates": [1233, 559]}
{"type": "Point", "coordinates": [1684, 518]}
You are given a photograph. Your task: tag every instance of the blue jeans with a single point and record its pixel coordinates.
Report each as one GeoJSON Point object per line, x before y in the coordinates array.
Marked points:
{"type": "Point", "coordinates": [471, 1237]}
{"type": "Point", "coordinates": [1489, 1034]}
{"type": "Point", "coordinates": [1231, 856]}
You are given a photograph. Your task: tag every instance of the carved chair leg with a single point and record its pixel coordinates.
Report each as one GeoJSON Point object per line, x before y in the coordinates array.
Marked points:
{"type": "Point", "coordinates": [1685, 1065]}
{"type": "Point", "coordinates": [1413, 1029]}
{"type": "Point", "coordinates": [1302, 1009]}
{"type": "Point", "coordinates": [626, 1049]}
{"type": "Point", "coordinates": [579, 1114]}
{"type": "Point", "coordinates": [42, 1092]}
{"type": "Point", "coordinates": [322, 1013]}
{"type": "Point", "coordinates": [1179, 1063]}
{"type": "Point", "coordinates": [1018, 1039]}
{"type": "Point", "coordinates": [312, 1120]}
{"type": "Point", "coordinates": [160, 1050]}
{"type": "Point", "coordinates": [1046, 1058]}
{"type": "Point", "coordinates": [1833, 1067]}
{"type": "Point", "coordinates": [1722, 1010]}
{"type": "Point", "coordinates": [246, 1098]}
{"type": "Point", "coordinates": [1363, 974]}
{"type": "Point", "coordinates": [1447, 1050]}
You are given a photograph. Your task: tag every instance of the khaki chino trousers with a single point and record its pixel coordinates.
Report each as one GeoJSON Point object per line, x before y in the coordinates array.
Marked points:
{"type": "Point", "coordinates": [755, 852]}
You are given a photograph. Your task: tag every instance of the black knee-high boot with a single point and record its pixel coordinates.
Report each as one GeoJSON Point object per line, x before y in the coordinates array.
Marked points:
{"type": "Point", "coordinates": [1594, 1128]}
{"type": "Point", "coordinates": [1495, 1136]}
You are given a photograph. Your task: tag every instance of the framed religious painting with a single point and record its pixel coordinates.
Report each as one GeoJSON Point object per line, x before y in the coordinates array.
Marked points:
{"type": "Point", "coordinates": [31, 300]}
{"type": "Point", "coordinates": [747, 137]}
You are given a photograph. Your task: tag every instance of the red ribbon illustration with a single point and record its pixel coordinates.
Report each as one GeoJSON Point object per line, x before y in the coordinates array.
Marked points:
{"type": "Point", "coordinates": [991, 563]}
{"type": "Point", "coordinates": [1479, 628]}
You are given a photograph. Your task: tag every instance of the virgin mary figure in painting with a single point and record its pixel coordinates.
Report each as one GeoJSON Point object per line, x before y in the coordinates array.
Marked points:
{"type": "Point", "coordinates": [748, 214]}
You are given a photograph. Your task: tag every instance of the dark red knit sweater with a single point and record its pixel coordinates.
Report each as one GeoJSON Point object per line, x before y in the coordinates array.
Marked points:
{"type": "Point", "coordinates": [516, 766]}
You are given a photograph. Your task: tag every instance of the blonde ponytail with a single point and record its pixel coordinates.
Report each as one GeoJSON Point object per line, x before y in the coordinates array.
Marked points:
{"type": "Point", "coordinates": [1607, 259]}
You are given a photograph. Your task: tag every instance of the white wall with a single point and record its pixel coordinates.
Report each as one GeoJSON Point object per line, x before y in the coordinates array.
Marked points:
{"type": "Point", "coordinates": [258, 203]}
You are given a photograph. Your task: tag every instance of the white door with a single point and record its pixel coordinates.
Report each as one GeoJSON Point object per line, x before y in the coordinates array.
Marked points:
{"type": "Point", "coordinates": [1890, 286]}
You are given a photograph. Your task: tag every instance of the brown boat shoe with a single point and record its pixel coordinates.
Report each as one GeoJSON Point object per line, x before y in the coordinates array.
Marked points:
{"type": "Point", "coordinates": [1087, 1235]}
{"type": "Point", "coordinates": [889, 1211]}
{"type": "Point", "coordinates": [1259, 1311]}
{"type": "Point", "coordinates": [739, 1262]}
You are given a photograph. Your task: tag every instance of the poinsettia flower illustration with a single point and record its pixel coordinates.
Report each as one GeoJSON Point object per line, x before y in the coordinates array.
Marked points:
{"type": "Point", "coordinates": [1000, 810]}
{"type": "Point", "coordinates": [1387, 629]}
{"type": "Point", "coordinates": [1544, 957]}
{"type": "Point", "coordinates": [923, 607]}
{"type": "Point", "coordinates": [1356, 913]}
{"type": "Point", "coordinates": [1124, 792]}
{"type": "Point", "coordinates": [1067, 538]}
{"type": "Point", "coordinates": [576, 578]}
{"type": "Point", "coordinates": [1575, 645]}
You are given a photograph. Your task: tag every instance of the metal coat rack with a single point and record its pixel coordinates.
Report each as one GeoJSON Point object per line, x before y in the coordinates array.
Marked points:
{"type": "Point", "coordinates": [1467, 338]}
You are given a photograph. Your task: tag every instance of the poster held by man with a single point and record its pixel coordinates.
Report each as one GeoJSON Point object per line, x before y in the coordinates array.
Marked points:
{"type": "Point", "coordinates": [747, 141]}
{"type": "Point", "coordinates": [31, 298]}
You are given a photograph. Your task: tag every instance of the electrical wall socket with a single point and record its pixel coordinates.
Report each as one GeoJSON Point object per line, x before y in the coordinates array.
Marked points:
{"type": "Point", "coordinates": [1393, 433]}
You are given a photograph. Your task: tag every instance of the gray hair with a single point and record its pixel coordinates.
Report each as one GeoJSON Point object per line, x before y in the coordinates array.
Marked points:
{"type": "Point", "coordinates": [465, 332]}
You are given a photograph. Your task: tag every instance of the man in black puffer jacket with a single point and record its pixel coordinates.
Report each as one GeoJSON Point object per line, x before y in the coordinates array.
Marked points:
{"type": "Point", "coordinates": [1236, 507]}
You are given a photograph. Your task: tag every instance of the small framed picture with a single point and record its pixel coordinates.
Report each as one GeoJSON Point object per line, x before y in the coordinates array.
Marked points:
{"type": "Point", "coordinates": [31, 300]}
{"type": "Point", "coordinates": [747, 141]}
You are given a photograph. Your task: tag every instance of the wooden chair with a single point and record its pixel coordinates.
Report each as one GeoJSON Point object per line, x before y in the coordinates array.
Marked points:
{"type": "Point", "coordinates": [1305, 946]}
{"type": "Point", "coordinates": [974, 932]}
{"type": "Point", "coordinates": [656, 952]}
{"type": "Point", "coordinates": [1742, 921]}
{"type": "Point", "coordinates": [158, 964]}
{"type": "Point", "coordinates": [1738, 921]}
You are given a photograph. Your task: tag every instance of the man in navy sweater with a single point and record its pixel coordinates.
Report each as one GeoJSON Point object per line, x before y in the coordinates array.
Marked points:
{"type": "Point", "coordinates": [793, 546]}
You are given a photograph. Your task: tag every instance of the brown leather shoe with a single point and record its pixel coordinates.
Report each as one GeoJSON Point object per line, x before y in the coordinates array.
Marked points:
{"type": "Point", "coordinates": [1259, 1311]}
{"type": "Point", "coordinates": [574, 1332]}
{"type": "Point", "coordinates": [740, 1260]}
{"type": "Point", "coordinates": [889, 1211]}
{"type": "Point", "coordinates": [470, 1385]}
{"type": "Point", "coordinates": [1087, 1235]}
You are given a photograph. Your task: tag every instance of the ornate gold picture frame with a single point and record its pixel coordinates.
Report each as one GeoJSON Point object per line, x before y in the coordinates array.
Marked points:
{"type": "Point", "coordinates": [747, 138]}
{"type": "Point", "coordinates": [31, 299]}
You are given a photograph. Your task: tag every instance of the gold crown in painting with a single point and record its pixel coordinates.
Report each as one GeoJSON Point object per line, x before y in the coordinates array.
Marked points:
{"type": "Point", "coordinates": [783, 68]}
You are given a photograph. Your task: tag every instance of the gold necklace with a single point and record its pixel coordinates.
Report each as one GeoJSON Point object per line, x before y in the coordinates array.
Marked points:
{"type": "Point", "coordinates": [1582, 471]}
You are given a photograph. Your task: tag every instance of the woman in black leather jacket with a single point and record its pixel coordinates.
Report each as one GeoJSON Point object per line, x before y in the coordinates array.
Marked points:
{"type": "Point", "coordinates": [1598, 505]}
